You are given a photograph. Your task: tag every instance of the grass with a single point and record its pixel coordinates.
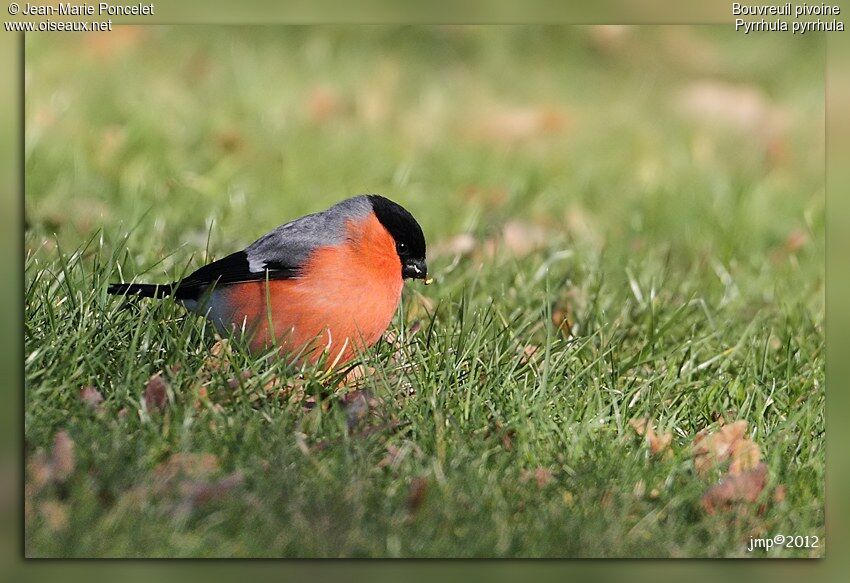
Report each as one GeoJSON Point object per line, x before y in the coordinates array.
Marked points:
{"type": "Point", "coordinates": [686, 250]}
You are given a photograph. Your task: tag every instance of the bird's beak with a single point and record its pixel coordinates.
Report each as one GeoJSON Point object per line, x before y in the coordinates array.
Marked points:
{"type": "Point", "coordinates": [414, 269]}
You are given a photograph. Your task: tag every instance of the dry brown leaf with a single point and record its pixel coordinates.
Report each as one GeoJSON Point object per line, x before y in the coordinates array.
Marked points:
{"type": "Point", "coordinates": [108, 45]}
{"type": "Point", "coordinates": [529, 351]}
{"type": "Point", "coordinates": [416, 494]}
{"type": "Point", "coordinates": [219, 357]}
{"type": "Point", "coordinates": [793, 243]}
{"type": "Point", "coordinates": [743, 108]}
{"type": "Point", "coordinates": [740, 106]}
{"type": "Point", "coordinates": [517, 238]}
{"type": "Point", "coordinates": [357, 376]}
{"type": "Point", "coordinates": [521, 238]}
{"type": "Point", "coordinates": [91, 397]}
{"type": "Point", "coordinates": [193, 466]}
{"type": "Point", "coordinates": [183, 483]}
{"type": "Point", "coordinates": [156, 393]}
{"type": "Point", "coordinates": [542, 476]}
{"type": "Point", "coordinates": [712, 449]}
{"type": "Point", "coordinates": [608, 38]}
{"type": "Point", "coordinates": [743, 487]}
{"type": "Point", "coordinates": [562, 320]}
{"type": "Point", "coordinates": [230, 140]}
{"type": "Point", "coordinates": [462, 244]}
{"type": "Point", "coordinates": [39, 471]}
{"type": "Point", "coordinates": [55, 514]}
{"type": "Point", "coordinates": [323, 104]}
{"type": "Point", "coordinates": [508, 439]}
{"type": "Point", "coordinates": [393, 457]}
{"type": "Point", "coordinates": [517, 124]}
{"type": "Point", "coordinates": [745, 457]}
{"type": "Point", "coordinates": [657, 442]}
{"type": "Point", "coordinates": [639, 425]}
{"type": "Point", "coordinates": [62, 460]}
{"type": "Point", "coordinates": [200, 492]}
{"type": "Point", "coordinates": [796, 240]}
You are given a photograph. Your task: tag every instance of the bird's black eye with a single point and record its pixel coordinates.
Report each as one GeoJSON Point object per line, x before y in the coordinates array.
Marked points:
{"type": "Point", "coordinates": [401, 248]}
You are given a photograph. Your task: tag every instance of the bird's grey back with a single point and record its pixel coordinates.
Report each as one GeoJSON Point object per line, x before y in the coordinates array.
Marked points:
{"type": "Point", "coordinates": [291, 244]}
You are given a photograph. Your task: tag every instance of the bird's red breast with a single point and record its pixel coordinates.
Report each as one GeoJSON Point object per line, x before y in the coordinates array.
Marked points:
{"type": "Point", "coordinates": [342, 301]}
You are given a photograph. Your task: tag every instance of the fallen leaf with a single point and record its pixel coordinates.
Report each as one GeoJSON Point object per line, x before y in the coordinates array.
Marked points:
{"type": "Point", "coordinates": [323, 103]}
{"type": "Point", "coordinates": [639, 425]}
{"type": "Point", "coordinates": [562, 320]}
{"type": "Point", "coordinates": [91, 397]}
{"type": "Point", "coordinates": [795, 240]}
{"type": "Point", "coordinates": [109, 45]}
{"type": "Point", "coordinates": [657, 442]}
{"type": "Point", "coordinates": [156, 393]}
{"type": "Point", "coordinates": [608, 38]}
{"type": "Point", "coordinates": [393, 457]}
{"type": "Point", "coordinates": [529, 351]}
{"type": "Point", "coordinates": [219, 357]}
{"type": "Point", "coordinates": [416, 494]}
{"type": "Point", "coordinates": [517, 238]}
{"type": "Point", "coordinates": [461, 244]}
{"type": "Point", "coordinates": [183, 483]}
{"type": "Point", "coordinates": [192, 466]}
{"type": "Point", "coordinates": [746, 456]}
{"type": "Point", "coordinates": [508, 439]}
{"type": "Point", "coordinates": [739, 106]}
{"type": "Point", "coordinates": [521, 238]}
{"type": "Point", "coordinates": [710, 449]}
{"type": "Point", "coordinates": [518, 124]}
{"type": "Point", "coordinates": [542, 476]}
{"type": "Point", "coordinates": [55, 515]}
{"type": "Point", "coordinates": [62, 458]}
{"type": "Point", "coordinates": [743, 487]}
{"type": "Point", "coordinates": [39, 471]}
{"type": "Point", "coordinates": [357, 376]}
{"type": "Point", "coordinates": [200, 492]}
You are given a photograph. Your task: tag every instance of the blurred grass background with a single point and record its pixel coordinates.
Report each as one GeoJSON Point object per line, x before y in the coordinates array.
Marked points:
{"type": "Point", "coordinates": [670, 178]}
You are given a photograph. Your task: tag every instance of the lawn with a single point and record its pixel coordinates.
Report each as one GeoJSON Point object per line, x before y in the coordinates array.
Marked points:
{"type": "Point", "coordinates": [626, 231]}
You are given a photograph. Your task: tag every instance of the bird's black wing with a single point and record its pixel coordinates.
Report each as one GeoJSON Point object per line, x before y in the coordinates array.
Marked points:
{"type": "Point", "coordinates": [235, 268]}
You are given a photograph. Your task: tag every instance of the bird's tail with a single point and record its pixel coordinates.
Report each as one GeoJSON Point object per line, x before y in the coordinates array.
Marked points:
{"type": "Point", "coordinates": [144, 290]}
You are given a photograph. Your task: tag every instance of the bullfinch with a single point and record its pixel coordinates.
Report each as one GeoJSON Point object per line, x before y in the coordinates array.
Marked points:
{"type": "Point", "coordinates": [327, 283]}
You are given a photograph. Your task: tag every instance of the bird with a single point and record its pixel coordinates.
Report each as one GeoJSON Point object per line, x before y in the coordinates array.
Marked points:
{"type": "Point", "coordinates": [324, 286]}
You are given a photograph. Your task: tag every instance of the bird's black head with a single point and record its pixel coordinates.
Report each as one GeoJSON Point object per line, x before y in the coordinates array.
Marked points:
{"type": "Point", "coordinates": [409, 240]}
